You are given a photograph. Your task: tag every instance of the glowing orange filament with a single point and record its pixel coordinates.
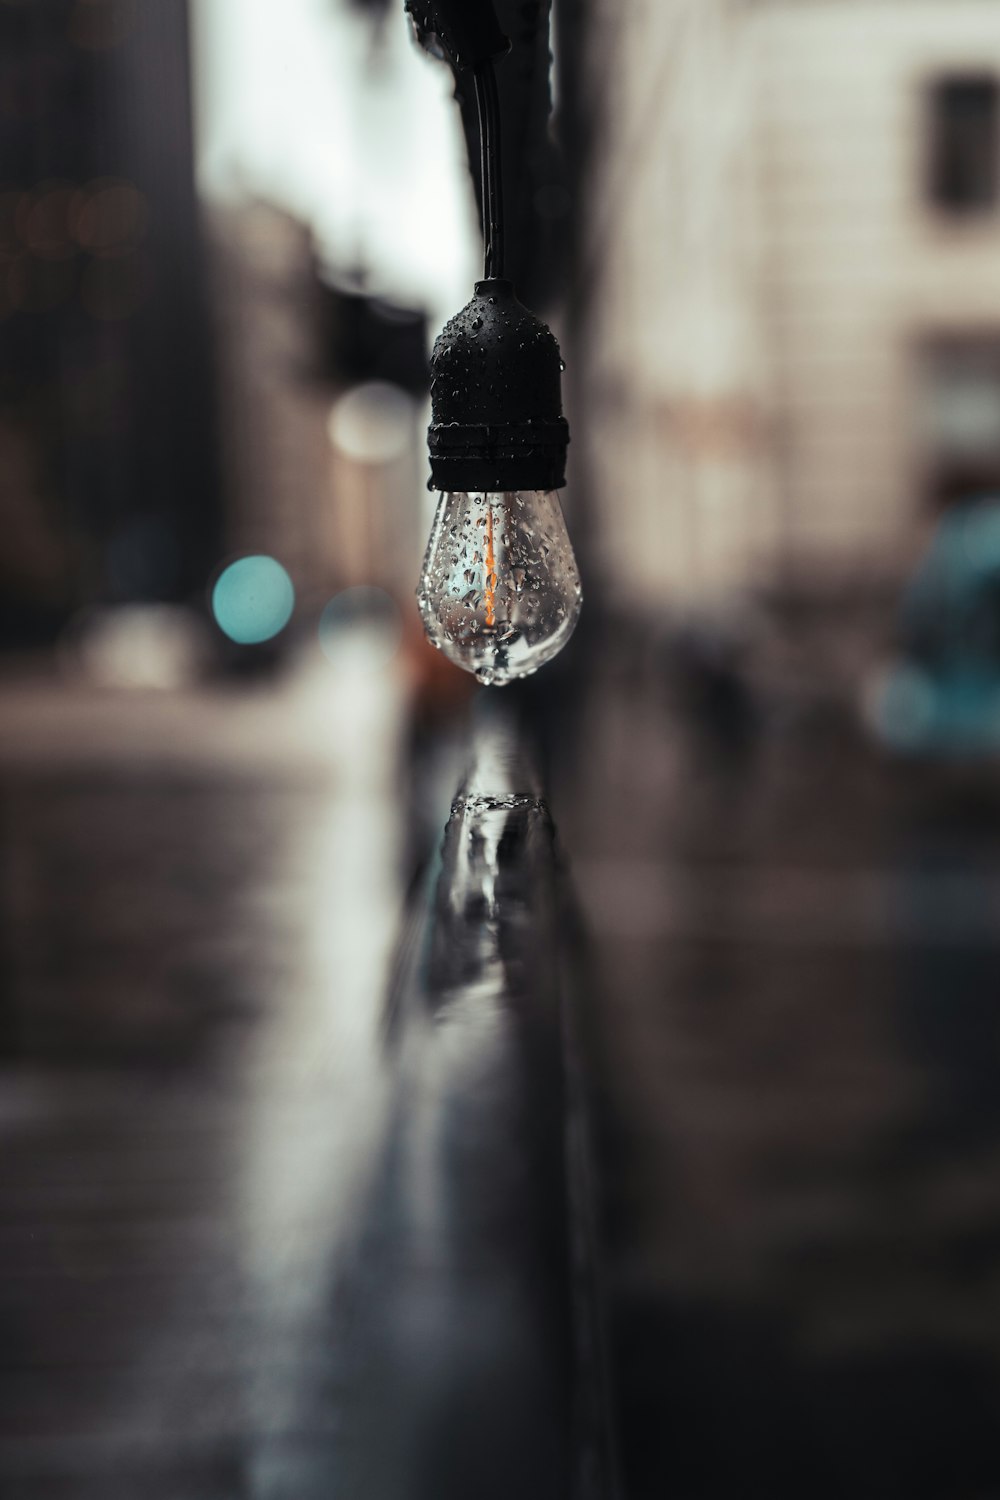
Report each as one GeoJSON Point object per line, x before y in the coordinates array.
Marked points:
{"type": "Point", "coordinates": [491, 577]}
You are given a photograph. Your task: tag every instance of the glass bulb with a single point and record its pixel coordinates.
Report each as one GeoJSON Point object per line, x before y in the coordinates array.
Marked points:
{"type": "Point", "coordinates": [499, 592]}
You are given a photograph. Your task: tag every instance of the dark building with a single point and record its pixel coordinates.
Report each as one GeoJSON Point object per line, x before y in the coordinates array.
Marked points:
{"type": "Point", "coordinates": [107, 447]}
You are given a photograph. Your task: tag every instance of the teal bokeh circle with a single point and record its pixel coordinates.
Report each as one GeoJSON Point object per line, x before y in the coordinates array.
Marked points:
{"type": "Point", "coordinates": [252, 600]}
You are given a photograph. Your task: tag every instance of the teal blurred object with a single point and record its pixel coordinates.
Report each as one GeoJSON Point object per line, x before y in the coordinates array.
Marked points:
{"type": "Point", "coordinates": [941, 695]}
{"type": "Point", "coordinates": [253, 600]}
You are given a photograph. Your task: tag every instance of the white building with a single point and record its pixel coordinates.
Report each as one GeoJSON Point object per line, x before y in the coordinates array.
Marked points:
{"type": "Point", "coordinates": [792, 260]}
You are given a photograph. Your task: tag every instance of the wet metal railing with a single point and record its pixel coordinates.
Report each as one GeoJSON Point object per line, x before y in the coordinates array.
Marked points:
{"type": "Point", "coordinates": [485, 1366]}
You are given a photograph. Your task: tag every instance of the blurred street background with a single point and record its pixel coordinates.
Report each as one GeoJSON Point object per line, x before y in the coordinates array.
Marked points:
{"type": "Point", "coordinates": [767, 234]}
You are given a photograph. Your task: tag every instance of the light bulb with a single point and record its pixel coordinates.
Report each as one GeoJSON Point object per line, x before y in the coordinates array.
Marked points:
{"type": "Point", "coordinates": [499, 593]}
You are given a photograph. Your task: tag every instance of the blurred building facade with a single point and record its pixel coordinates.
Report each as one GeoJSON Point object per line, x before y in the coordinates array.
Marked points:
{"type": "Point", "coordinates": [788, 350]}
{"type": "Point", "coordinates": [669, 390]}
{"type": "Point", "coordinates": [319, 391]}
{"type": "Point", "coordinates": [106, 408]}
{"type": "Point", "coordinates": [274, 394]}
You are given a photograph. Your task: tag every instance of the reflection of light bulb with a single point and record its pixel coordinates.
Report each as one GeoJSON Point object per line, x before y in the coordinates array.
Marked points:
{"type": "Point", "coordinates": [499, 592]}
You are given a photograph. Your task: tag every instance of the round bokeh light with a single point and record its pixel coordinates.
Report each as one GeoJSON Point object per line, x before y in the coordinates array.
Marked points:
{"type": "Point", "coordinates": [253, 600]}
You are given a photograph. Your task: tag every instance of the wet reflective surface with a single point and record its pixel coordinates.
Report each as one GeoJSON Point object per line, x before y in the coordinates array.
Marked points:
{"type": "Point", "coordinates": [466, 1237]}
{"type": "Point", "coordinates": [283, 1199]}
{"type": "Point", "coordinates": [795, 1024]}
{"type": "Point", "coordinates": [286, 1205]}
{"type": "Point", "coordinates": [199, 905]}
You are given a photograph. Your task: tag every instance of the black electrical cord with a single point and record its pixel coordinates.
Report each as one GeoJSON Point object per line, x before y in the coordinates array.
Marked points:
{"type": "Point", "coordinates": [488, 106]}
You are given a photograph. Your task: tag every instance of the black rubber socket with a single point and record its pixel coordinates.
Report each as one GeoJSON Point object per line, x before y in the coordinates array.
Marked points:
{"type": "Point", "coordinates": [496, 401]}
{"type": "Point", "coordinates": [468, 30]}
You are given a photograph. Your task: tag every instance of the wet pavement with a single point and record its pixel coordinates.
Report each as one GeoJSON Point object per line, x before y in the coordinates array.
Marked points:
{"type": "Point", "coordinates": [794, 1029]}
{"type": "Point", "coordinates": [786, 1009]}
{"type": "Point", "coordinates": [201, 896]}
{"type": "Point", "coordinates": [284, 1188]}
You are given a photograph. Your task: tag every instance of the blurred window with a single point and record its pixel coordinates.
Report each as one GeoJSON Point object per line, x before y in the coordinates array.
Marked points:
{"type": "Point", "coordinates": [964, 154]}
{"type": "Point", "coordinates": [960, 418]}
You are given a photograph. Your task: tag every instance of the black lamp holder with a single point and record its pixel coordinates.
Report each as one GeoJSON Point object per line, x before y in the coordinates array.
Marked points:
{"type": "Point", "coordinates": [496, 406]}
